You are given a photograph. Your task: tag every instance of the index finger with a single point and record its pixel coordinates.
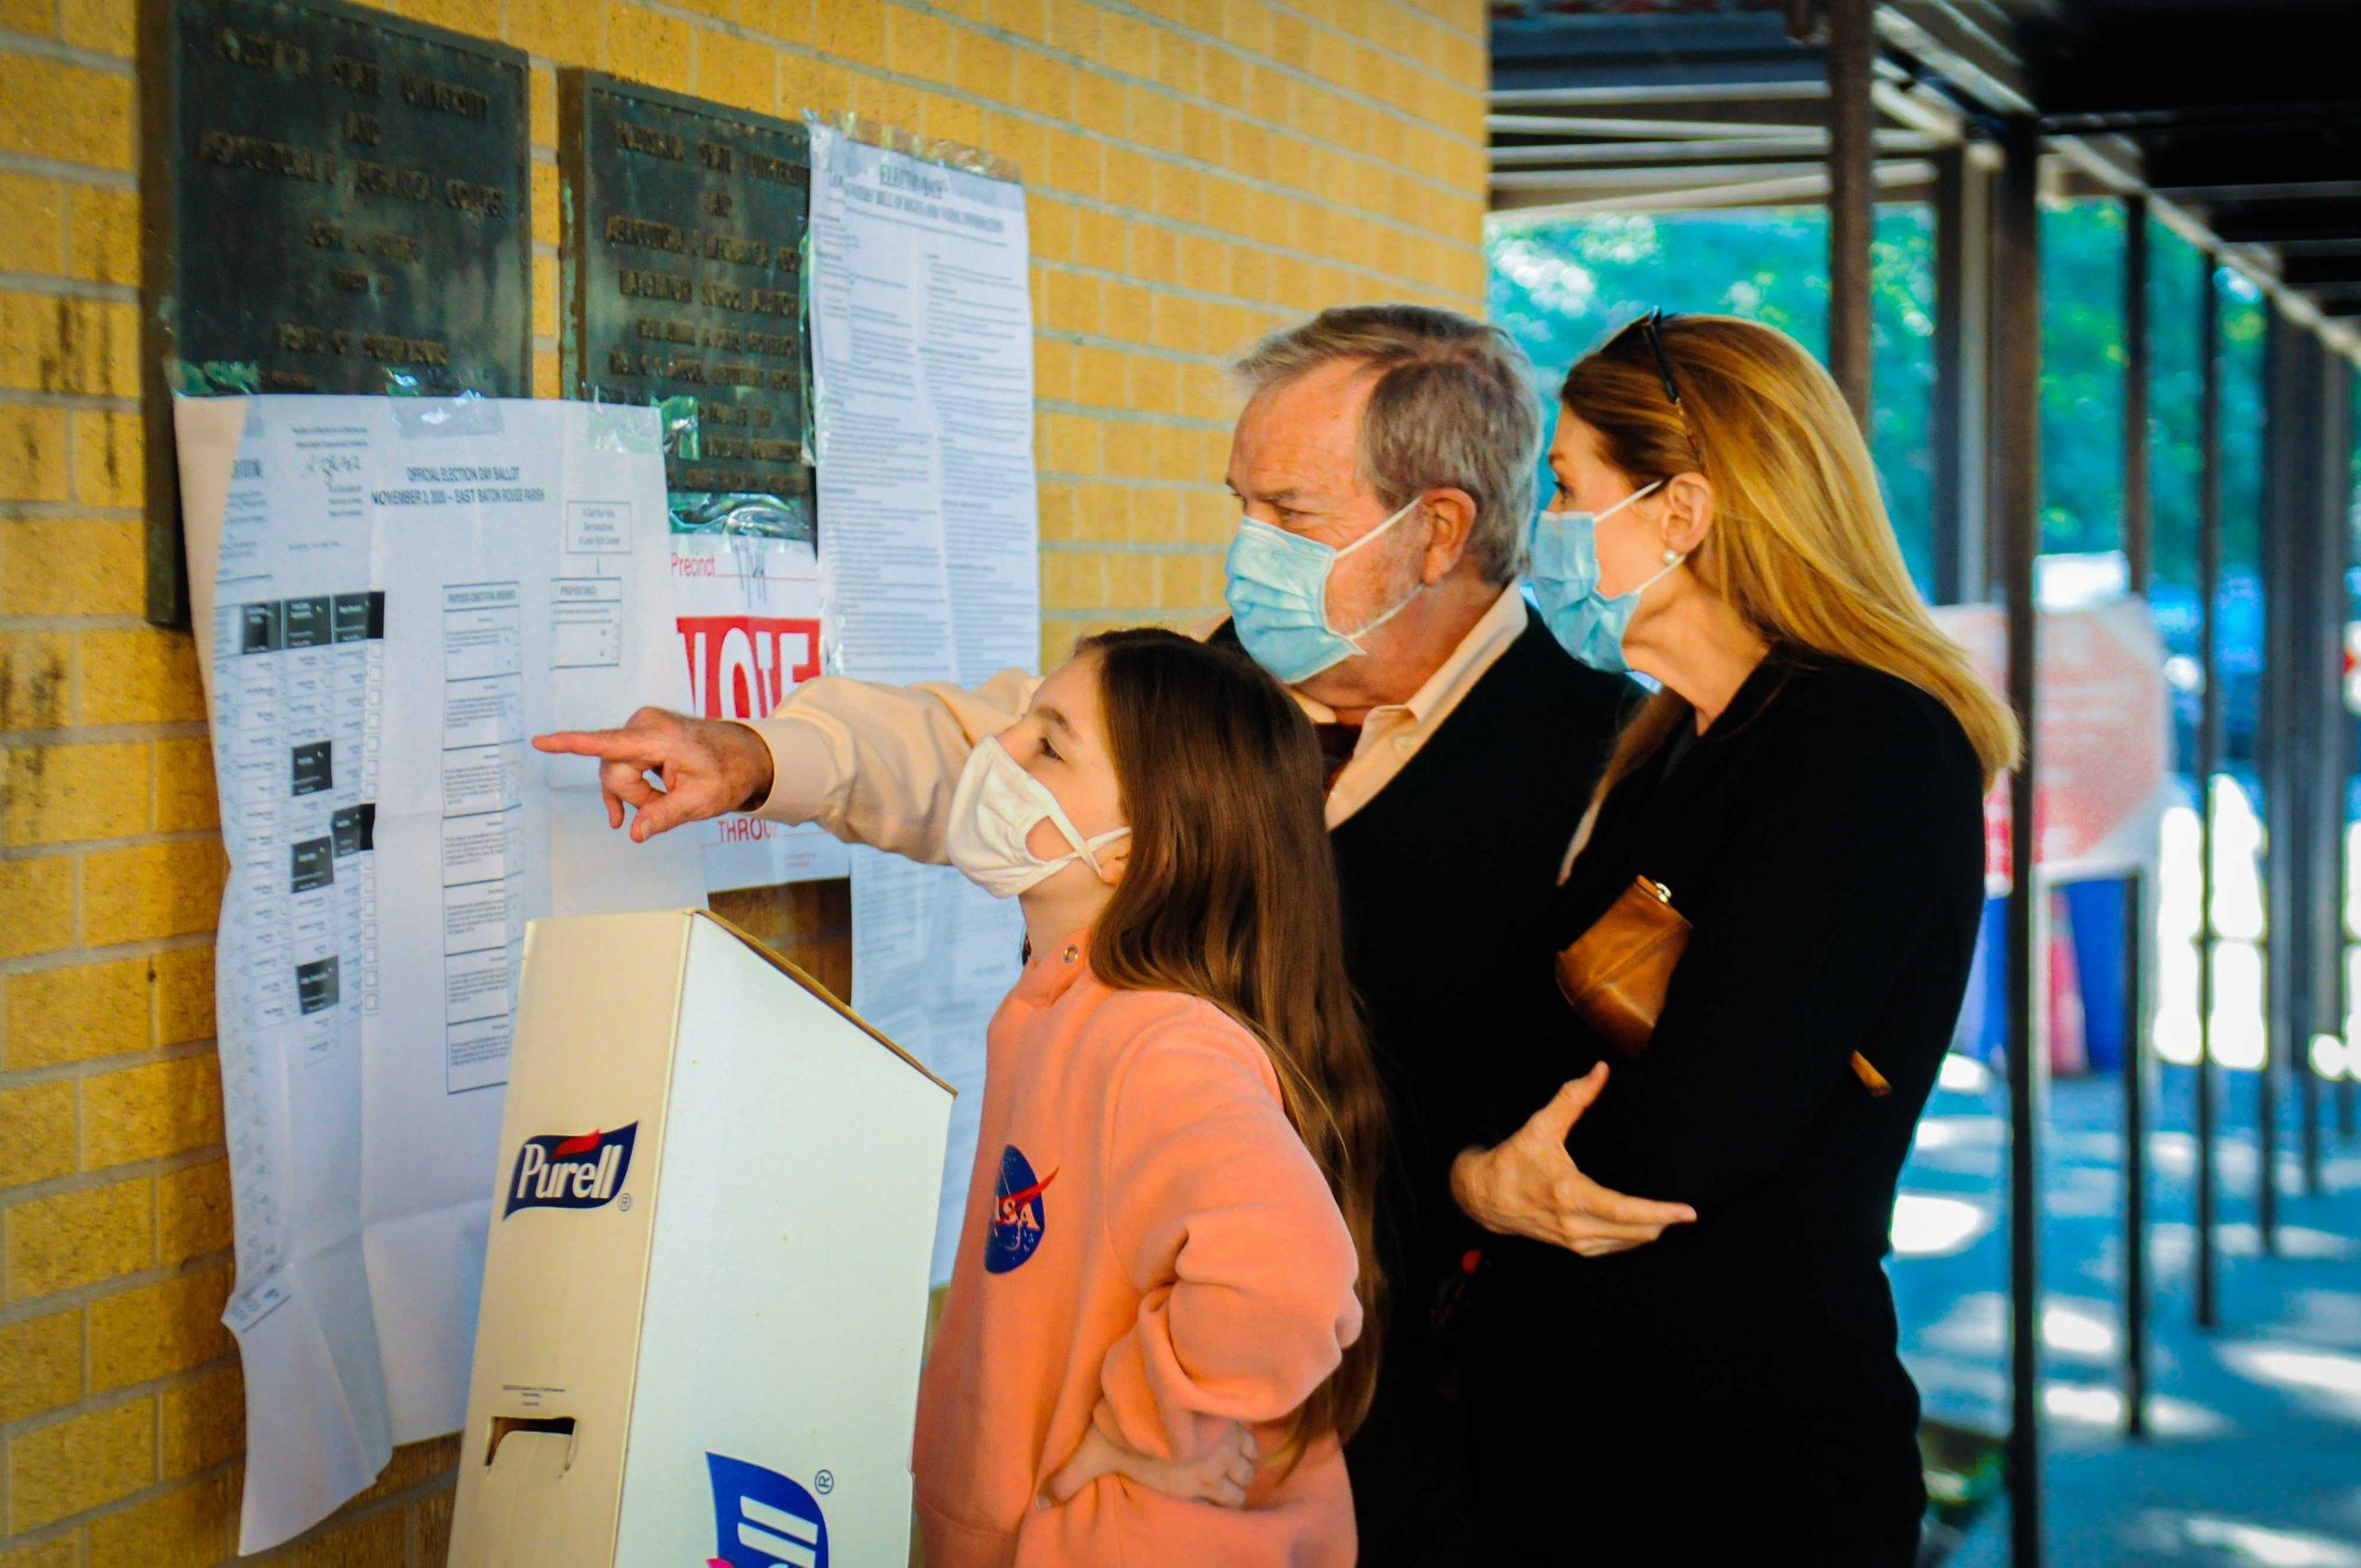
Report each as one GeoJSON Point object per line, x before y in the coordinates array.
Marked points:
{"type": "Point", "coordinates": [616, 745]}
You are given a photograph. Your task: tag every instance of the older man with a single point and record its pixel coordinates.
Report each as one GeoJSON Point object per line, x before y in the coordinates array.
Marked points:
{"type": "Point", "coordinates": [1385, 461]}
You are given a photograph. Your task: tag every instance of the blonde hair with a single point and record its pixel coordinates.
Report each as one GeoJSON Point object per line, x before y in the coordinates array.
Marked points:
{"type": "Point", "coordinates": [1800, 544]}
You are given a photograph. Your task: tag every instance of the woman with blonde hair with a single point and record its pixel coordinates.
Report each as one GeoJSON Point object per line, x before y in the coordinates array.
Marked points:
{"type": "Point", "coordinates": [1765, 931]}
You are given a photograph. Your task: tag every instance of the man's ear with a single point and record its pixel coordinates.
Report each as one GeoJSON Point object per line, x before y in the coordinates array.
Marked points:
{"type": "Point", "coordinates": [1452, 513]}
{"type": "Point", "coordinates": [1688, 512]}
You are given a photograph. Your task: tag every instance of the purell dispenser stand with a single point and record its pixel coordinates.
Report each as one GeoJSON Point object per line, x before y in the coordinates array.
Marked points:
{"type": "Point", "coordinates": [704, 1297]}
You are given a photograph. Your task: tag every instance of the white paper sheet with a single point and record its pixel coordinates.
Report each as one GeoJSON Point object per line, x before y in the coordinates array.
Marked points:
{"type": "Point", "coordinates": [922, 360]}
{"type": "Point", "coordinates": [387, 605]}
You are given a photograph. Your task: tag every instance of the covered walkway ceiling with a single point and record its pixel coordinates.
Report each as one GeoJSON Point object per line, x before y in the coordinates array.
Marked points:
{"type": "Point", "coordinates": [2242, 118]}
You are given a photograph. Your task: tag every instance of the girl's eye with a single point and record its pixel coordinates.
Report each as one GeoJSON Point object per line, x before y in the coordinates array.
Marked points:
{"type": "Point", "coordinates": [1050, 751]}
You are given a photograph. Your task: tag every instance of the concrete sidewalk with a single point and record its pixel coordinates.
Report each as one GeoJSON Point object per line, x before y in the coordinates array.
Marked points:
{"type": "Point", "coordinates": [2255, 1451]}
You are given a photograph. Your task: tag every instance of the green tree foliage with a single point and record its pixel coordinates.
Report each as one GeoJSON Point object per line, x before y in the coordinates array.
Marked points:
{"type": "Point", "coordinates": [1561, 286]}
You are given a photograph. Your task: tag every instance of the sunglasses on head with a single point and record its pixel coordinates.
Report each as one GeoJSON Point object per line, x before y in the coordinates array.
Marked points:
{"type": "Point", "coordinates": [1649, 327]}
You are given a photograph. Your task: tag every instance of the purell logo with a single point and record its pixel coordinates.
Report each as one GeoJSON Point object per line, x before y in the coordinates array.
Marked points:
{"type": "Point", "coordinates": [582, 1171]}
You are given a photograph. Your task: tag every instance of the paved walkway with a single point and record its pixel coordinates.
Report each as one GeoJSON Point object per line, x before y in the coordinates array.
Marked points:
{"type": "Point", "coordinates": [2256, 1456]}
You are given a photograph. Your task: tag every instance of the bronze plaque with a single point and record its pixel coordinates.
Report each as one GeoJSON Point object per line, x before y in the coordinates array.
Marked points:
{"type": "Point", "coordinates": [683, 288]}
{"type": "Point", "coordinates": [336, 202]}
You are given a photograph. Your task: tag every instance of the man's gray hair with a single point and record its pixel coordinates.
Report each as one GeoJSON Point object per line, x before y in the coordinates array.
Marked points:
{"type": "Point", "coordinates": [1452, 405]}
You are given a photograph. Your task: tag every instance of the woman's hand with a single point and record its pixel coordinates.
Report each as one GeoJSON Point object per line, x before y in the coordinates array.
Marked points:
{"type": "Point", "coordinates": [1219, 1476]}
{"type": "Point", "coordinates": [1529, 1185]}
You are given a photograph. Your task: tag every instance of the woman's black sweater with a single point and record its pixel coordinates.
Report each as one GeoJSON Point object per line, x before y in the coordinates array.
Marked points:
{"type": "Point", "coordinates": [1824, 838]}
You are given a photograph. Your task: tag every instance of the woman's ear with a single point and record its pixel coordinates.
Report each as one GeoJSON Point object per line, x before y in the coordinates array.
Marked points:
{"type": "Point", "coordinates": [1688, 512]}
{"type": "Point", "coordinates": [1114, 859]}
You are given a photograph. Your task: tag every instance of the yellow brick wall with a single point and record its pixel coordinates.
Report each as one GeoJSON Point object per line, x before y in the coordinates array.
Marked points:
{"type": "Point", "coordinates": [1200, 170]}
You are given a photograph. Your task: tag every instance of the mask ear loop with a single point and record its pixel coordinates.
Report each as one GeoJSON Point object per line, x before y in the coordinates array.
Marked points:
{"type": "Point", "coordinates": [1085, 849]}
{"type": "Point", "coordinates": [1672, 558]}
{"type": "Point", "coordinates": [1353, 637]}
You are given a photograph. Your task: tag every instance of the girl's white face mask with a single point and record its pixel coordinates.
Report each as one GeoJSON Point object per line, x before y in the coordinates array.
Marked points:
{"type": "Point", "coordinates": [992, 812]}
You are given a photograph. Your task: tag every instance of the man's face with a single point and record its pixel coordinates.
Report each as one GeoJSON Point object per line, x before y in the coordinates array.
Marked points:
{"type": "Point", "coordinates": [1294, 463]}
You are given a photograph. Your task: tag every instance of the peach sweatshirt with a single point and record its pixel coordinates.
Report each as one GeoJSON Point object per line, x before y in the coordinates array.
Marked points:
{"type": "Point", "coordinates": [1148, 1244]}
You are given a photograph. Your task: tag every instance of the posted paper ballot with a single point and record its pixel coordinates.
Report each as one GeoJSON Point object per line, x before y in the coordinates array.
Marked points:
{"type": "Point", "coordinates": [390, 596]}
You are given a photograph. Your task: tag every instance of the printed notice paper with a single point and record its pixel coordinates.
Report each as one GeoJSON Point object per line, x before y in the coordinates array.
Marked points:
{"type": "Point", "coordinates": [922, 360]}
{"type": "Point", "coordinates": [390, 595]}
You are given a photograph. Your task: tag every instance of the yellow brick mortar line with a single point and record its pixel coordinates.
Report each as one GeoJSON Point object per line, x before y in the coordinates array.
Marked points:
{"type": "Point", "coordinates": [1124, 345]}
{"type": "Point", "coordinates": [1093, 547]}
{"type": "Point", "coordinates": [96, 1068]}
{"type": "Point", "coordinates": [92, 846]}
{"type": "Point", "coordinates": [1127, 416]}
{"type": "Point", "coordinates": [58, 286]}
{"type": "Point", "coordinates": [66, 53]}
{"type": "Point", "coordinates": [1134, 614]}
{"type": "Point", "coordinates": [1063, 475]}
{"type": "Point", "coordinates": [58, 169]}
{"type": "Point", "coordinates": [109, 622]}
{"type": "Point", "coordinates": [93, 401]}
{"type": "Point", "coordinates": [99, 734]}
{"type": "Point", "coordinates": [13, 510]}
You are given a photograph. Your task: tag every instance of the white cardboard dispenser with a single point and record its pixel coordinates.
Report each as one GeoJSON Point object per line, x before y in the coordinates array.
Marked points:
{"type": "Point", "coordinates": [704, 1298]}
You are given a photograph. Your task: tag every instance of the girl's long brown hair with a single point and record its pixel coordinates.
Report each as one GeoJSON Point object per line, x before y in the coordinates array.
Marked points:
{"type": "Point", "coordinates": [1231, 895]}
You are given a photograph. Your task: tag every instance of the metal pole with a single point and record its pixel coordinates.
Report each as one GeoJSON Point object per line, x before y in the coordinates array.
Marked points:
{"type": "Point", "coordinates": [2343, 510]}
{"type": "Point", "coordinates": [2321, 673]}
{"type": "Point", "coordinates": [1962, 339]}
{"type": "Point", "coordinates": [2331, 491]}
{"type": "Point", "coordinates": [2275, 743]}
{"type": "Point", "coordinates": [1852, 198]}
{"type": "Point", "coordinates": [2016, 496]}
{"type": "Point", "coordinates": [2137, 555]}
{"type": "Point", "coordinates": [2135, 1163]}
{"type": "Point", "coordinates": [2208, 762]}
{"type": "Point", "coordinates": [2138, 535]}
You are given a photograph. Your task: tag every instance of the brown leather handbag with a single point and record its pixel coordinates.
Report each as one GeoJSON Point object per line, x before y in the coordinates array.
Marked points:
{"type": "Point", "coordinates": [1616, 974]}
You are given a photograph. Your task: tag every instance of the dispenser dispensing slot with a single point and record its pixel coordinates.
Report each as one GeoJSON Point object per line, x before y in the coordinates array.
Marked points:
{"type": "Point", "coordinates": [502, 1426]}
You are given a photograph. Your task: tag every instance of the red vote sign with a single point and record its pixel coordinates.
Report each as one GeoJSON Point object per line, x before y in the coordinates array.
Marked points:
{"type": "Point", "coordinates": [743, 666]}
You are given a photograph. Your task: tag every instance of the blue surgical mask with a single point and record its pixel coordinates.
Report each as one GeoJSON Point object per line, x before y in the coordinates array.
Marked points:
{"type": "Point", "coordinates": [1563, 572]}
{"type": "Point", "coordinates": [1278, 598]}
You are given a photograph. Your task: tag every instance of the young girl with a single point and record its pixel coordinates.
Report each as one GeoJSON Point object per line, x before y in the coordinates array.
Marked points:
{"type": "Point", "coordinates": [1159, 1325]}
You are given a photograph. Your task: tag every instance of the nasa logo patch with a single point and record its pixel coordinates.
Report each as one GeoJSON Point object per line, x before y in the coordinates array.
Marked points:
{"type": "Point", "coordinates": [1018, 1213]}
